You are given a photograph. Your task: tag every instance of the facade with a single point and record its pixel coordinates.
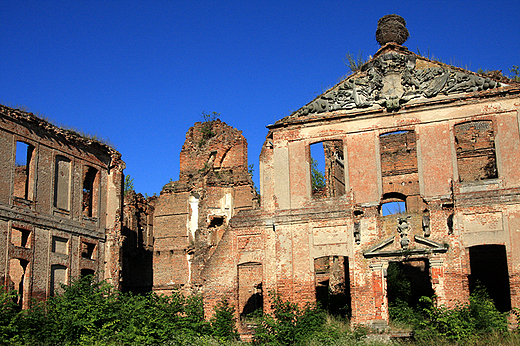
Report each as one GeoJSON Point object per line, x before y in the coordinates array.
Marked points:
{"type": "Point", "coordinates": [440, 143]}
{"type": "Point", "coordinates": [60, 206]}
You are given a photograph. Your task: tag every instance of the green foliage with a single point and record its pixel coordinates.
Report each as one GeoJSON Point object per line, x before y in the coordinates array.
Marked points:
{"type": "Point", "coordinates": [317, 177]}
{"type": "Point", "coordinates": [8, 311]}
{"type": "Point", "coordinates": [354, 63]}
{"type": "Point", "coordinates": [337, 331]}
{"type": "Point", "coordinates": [223, 323]}
{"type": "Point", "coordinates": [251, 171]}
{"type": "Point", "coordinates": [515, 70]}
{"type": "Point", "coordinates": [90, 312]}
{"type": "Point", "coordinates": [128, 185]}
{"type": "Point", "coordinates": [465, 322]}
{"type": "Point", "coordinates": [288, 324]}
{"type": "Point", "coordinates": [207, 126]}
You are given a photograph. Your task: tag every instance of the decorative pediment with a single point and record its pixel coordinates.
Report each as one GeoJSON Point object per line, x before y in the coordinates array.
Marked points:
{"type": "Point", "coordinates": [422, 246]}
{"type": "Point", "coordinates": [392, 79]}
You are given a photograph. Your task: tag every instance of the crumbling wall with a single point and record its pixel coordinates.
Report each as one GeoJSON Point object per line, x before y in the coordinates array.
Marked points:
{"type": "Point", "coordinates": [192, 214]}
{"type": "Point", "coordinates": [138, 236]}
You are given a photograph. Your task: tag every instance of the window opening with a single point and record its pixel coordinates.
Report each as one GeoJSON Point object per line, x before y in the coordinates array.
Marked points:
{"type": "Point", "coordinates": [327, 169]}
{"type": "Point", "coordinates": [58, 278]}
{"type": "Point", "coordinates": [60, 245]}
{"type": "Point", "coordinates": [62, 183]}
{"type": "Point", "coordinates": [23, 174]}
{"type": "Point", "coordinates": [391, 208]}
{"type": "Point", "coordinates": [87, 272]}
{"type": "Point", "coordinates": [475, 144]}
{"type": "Point", "coordinates": [87, 250]}
{"type": "Point", "coordinates": [393, 203]}
{"type": "Point", "coordinates": [407, 282]}
{"type": "Point", "coordinates": [20, 237]}
{"type": "Point", "coordinates": [89, 193]}
{"type": "Point", "coordinates": [216, 221]}
{"type": "Point", "coordinates": [333, 284]}
{"type": "Point", "coordinates": [398, 153]}
{"type": "Point", "coordinates": [17, 271]}
{"type": "Point", "coordinates": [488, 264]}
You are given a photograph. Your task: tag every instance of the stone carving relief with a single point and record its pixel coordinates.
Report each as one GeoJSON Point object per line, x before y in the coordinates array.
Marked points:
{"type": "Point", "coordinates": [391, 80]}
{"type": "Point", "coordinates": [403, 228]}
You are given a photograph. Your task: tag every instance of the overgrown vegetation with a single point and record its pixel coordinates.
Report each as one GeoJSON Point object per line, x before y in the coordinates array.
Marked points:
{"type": "Point", "coordinates": [354, 63]}
{"type": "Point", "coordinates": [207, 126]}
{"type": "Point", "coordinates": [515, 70]}
{"type": "Point", "coordinates": [128, 185]}
{"type": "Point", "coordinates": [93, 313]}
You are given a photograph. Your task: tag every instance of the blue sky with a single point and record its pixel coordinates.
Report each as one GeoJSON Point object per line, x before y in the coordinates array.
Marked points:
{"type": "Point", "coordinates": [140, 73]}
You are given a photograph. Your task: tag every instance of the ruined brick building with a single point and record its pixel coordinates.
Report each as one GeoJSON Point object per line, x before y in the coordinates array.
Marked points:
{"type": "Point", "coordinates": [440, 142]}
{"type": "Point", "coordinates": [192, 214]}
{"type": "Point", "coordinates": [60, 206]}
{"type": "Point", "coordinates": [421, 174]}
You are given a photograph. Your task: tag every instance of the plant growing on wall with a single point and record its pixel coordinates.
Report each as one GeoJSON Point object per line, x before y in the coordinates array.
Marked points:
{"type": "Point", "coordinates": [207, 126]}
{"type": "Point", "coordinates": [129, 185]}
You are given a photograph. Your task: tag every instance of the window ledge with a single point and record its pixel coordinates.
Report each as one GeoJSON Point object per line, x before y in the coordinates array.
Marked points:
{"type": "Point", "coordinates": [481, 185]}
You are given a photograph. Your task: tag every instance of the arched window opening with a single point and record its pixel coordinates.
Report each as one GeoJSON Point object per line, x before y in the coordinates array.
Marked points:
{"type": "Point", "coordinates": [393, 203]}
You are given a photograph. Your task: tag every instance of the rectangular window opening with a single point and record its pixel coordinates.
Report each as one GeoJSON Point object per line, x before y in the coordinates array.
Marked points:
{"type": "Point", "coordinates": [62, 183]}
{"type": "Point", "coordinates": [60, 245]}
{"type": "Point", "coordinates": [59, 277]}
{"type": "Point", "coordinates": [21, 237]}
{"type": "Point", "coordinates": [90, 192]}
{"type": "Point", "coordinates": [327, 169]}
{"type": "Point", "coordinates": [87, 250]}
{"type": "Point", "coordinates": [475, 145]}
{"type": "Point", "coordinates": [23, 171]}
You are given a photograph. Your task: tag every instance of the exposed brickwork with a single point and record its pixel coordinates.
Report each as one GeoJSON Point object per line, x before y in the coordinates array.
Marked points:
{"type": "Point", "coordinates": [192, 214]}
{"type": "Point", "coordinates": [60, 206]}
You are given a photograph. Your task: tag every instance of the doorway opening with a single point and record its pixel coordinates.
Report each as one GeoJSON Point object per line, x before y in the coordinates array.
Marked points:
{"type": "Point", "coordinates": [489, 270]}
{"type": "Point", "coordinates": [333, 284]}
{"type": "Point", "coordinates": [407, 282]}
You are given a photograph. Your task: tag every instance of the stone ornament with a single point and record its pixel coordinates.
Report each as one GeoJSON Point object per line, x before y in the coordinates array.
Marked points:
{"type": "Point", "coordinates": [391, 80]}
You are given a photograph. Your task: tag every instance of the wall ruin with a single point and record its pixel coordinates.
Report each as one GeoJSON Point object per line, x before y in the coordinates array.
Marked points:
{"type": "Point", "coordinates": [60, 206]}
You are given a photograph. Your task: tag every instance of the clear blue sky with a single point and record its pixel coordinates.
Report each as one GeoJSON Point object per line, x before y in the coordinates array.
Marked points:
{"type": "Point", "coordinates": [140, 73]}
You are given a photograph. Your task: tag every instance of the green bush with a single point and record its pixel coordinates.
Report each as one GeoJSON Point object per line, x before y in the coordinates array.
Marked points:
{"type": "Point", "coordinates": [90, 312]}
{"type": "Point", "coordinates": [289, 323]}
{"type": "Point", "coordinates": [465, 322]}
{"type": "Point", "coordinates": [223, 322]}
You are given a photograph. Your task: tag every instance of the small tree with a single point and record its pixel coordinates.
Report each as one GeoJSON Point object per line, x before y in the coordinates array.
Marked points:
{"type": "Point", "coordinates": [515, 70]}
{"type": "Point", "coordinates": [129, 185]}
{"type": "Point", "coordinates": [317, 176]}
{"type": "Point", "coordinates": [207, 126]}
{"type": "Point", "coordinates": [223, 322]}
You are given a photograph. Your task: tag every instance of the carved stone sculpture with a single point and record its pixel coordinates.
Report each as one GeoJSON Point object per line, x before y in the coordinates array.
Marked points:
{"type": "Point", "coordinates": [391, 80]}
{"type": "Point", "coordinates": [403, 228]}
